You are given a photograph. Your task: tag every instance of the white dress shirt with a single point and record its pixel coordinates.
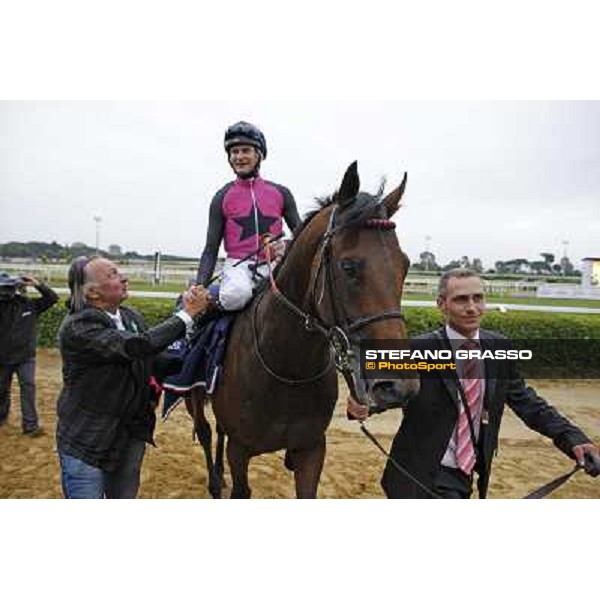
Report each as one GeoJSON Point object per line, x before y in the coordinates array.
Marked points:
{"type": "Point", "coordinates": [116, 319]}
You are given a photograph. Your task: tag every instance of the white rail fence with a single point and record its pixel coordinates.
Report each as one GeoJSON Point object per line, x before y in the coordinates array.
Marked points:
{"type": "Point", "coordinates": [183, 273]}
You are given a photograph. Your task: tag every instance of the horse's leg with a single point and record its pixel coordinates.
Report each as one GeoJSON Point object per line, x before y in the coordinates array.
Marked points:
{"type": "Point", "coordinates": [219, 467]}
{"type": "Point", "coordinates": [204, 434]}
{"type": "Point", "coordinates": [307, 465]}
{"type": "Point", "coordinates": [238, 459]}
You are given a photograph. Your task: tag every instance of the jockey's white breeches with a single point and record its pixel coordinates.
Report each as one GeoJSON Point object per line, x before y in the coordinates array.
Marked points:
{"type": "Point", "coordinates": [238, 283]}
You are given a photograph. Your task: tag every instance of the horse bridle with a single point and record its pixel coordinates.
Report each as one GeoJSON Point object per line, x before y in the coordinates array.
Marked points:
{"type": "Point", "coordinates": [326, 261]}
{"type": "Point", "coordinates": [338, 335]}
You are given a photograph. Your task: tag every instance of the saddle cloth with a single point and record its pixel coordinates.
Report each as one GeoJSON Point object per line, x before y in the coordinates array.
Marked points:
{"type": "Point", "coordinates": [201, 362]}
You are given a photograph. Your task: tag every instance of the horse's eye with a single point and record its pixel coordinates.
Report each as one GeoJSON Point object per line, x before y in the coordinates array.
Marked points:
{"type": "Point", "coordinates": [350, 268]}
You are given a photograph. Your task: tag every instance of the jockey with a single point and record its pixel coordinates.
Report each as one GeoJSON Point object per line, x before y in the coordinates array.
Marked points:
{"type": "Point", "coordinates": [240, 214]}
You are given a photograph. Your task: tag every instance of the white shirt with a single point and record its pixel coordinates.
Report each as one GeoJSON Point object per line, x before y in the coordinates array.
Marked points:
{"type": "Point", "coordinates": [456, 341]}
{"type": "Point", "coordinates": [188, 321]}
{"type": "Point", "coordinates": [116, 319]}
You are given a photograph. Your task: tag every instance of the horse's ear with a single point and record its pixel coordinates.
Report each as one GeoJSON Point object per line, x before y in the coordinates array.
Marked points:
{"type": "Point", "coordinates": [392, 200]}
{"type": "Point", "coordinates": [350, 185]}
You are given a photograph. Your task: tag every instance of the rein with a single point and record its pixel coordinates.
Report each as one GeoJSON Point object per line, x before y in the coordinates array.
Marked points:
{"type": "Point", "coordinates": [269, 370]}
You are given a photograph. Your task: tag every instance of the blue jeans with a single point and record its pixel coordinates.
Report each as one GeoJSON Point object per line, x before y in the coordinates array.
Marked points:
{"type": "Point", "coordinates": [81, 481]}
{"type": "Point", "coordinates": [26, 374]}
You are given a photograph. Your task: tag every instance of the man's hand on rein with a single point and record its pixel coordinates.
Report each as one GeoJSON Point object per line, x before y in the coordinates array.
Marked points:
{"type": "Point", "coordinates": [356, 410]}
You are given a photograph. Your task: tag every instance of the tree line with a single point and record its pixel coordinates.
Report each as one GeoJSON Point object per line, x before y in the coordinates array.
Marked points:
{"type": "Point", "coordinates": [54, 252]}
{"type": "Point", "coordinates": [514, 266]}
{"type": "Point", "coordinates": [45, 252]}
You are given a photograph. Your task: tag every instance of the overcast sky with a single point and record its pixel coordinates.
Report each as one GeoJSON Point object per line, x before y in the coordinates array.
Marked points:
{"type": "Point", "coordinates": [494, 180]}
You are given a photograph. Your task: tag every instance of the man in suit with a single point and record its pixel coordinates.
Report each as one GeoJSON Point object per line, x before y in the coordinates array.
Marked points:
{"type": "Point", "coordinates": [106, 407]}
{"type": "Point", "coordinates": [450, 431]}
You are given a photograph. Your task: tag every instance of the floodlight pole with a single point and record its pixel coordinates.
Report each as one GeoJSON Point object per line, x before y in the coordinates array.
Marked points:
{"type": "Point", "coordinates": [98, 220]}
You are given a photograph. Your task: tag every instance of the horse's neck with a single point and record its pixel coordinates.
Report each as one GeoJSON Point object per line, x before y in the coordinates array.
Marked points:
{"type": "Point", "coordinates": [293, 281]}
{"type": "Point", "coordinates": [294, 278]}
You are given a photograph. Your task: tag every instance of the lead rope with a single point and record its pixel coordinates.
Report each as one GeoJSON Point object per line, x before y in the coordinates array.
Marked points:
{"type": "Point", "coordinates": [546, 489]}
{"type": "Point", "coordinates": [396, 465]}
{"type": "Point", "coordinates": [593, 468]}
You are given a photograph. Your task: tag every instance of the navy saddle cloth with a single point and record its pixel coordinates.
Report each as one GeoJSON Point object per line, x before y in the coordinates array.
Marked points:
{"type": "Point", "coordinates": [201, 362]}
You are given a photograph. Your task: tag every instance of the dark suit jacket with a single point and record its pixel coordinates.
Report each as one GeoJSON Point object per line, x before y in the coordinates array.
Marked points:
{"type": "Point", "coordinates": [106, 400]}
{"type": "Point", "coordinates": [430, 418]}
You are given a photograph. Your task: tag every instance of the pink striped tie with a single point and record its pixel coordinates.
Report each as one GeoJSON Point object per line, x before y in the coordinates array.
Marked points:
{"type": "Point", "coordinates": [465, 452]}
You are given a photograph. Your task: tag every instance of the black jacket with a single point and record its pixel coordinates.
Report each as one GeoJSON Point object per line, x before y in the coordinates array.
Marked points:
{"type": "Point", "coordinates": [430, 418]}
{"type": "Point", "coordinates": [106, 399]}
{"type": "Point", "coordinates": [18, 319]}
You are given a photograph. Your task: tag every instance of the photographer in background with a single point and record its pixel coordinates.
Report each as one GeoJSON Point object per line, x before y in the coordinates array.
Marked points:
{"type": "Point", "coordinates": [18, 329]}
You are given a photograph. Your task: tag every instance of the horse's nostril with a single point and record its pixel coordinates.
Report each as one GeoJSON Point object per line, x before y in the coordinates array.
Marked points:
{"type": "Point", "coordinates": [385, 385]}
{"type": "Point", "coordinates": [384, 391]}
{"type": "Point", "coordinates": [391, 394]}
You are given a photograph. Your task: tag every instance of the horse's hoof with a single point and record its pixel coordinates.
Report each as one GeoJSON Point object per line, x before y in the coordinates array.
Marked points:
{"type": "Point", "coordinates": [215, 489]}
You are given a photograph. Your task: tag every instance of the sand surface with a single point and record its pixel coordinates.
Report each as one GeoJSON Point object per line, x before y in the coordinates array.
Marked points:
{"type": "Point", "coordinates": [353, 466]}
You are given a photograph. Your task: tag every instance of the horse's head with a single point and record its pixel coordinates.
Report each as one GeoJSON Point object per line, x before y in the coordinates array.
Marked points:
{"type": "Point", "coordinates": [356, 280]}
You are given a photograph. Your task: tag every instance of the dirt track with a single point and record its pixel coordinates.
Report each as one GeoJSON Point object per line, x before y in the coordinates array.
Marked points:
{"type": "Point", "coordinates": [29, 467]}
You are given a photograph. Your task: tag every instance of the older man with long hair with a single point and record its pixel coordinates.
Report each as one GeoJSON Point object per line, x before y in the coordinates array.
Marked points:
{"type": "Point", "coordinates": [105, 409]}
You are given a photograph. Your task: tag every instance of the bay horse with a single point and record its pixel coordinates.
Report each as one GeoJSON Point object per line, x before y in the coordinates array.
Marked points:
{"type": "Point", "coordinates": [340, 280]}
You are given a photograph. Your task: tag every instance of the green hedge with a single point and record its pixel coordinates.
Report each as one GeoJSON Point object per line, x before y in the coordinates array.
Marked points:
{"type": "Point", "coordinates": [560, 359]}
{"type": "Point", "coordinates": [515, 325]}
{"type": "Point", "coordinates": [563, 345]}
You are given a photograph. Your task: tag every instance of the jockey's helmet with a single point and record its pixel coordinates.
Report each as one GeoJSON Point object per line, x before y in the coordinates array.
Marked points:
{"type": "Point", "coordinates": [242, 133]}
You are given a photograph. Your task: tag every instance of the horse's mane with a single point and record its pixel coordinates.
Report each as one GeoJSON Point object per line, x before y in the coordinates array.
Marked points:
{"type": "Point", "coordinates": [362, 206]}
